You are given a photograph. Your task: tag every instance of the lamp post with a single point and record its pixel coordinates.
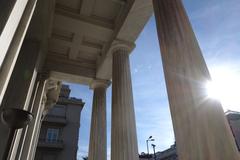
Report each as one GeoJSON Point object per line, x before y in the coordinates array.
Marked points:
{"type": "Point", "coordinates": [149, 139]}
{"type": "Point", "coordinates": [153, 145]}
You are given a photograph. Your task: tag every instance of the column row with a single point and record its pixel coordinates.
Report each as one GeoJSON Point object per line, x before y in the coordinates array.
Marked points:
{"type": "Point", "coordinates": [200, 127]}
{"type": "Point", "coordinates": [124, 137]}
{"type": "Point", "coordinates": [199, 124]}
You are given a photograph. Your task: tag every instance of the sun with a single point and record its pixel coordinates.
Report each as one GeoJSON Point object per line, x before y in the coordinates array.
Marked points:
{"type": "Point", "coordinates": [225, 86]}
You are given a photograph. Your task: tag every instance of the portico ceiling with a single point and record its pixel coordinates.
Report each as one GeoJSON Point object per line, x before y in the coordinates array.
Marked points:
{"type": "Point", "coordinates": [82, 31]}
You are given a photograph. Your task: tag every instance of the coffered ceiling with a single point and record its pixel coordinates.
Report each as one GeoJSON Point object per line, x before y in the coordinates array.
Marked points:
{"type": "Point", "coordinates": [81, 32]}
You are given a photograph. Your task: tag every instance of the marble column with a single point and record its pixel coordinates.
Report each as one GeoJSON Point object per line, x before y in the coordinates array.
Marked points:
{"type": "Point", "coordinates": [37, 109]}
{"type": "Point", "coordinates": [124, 138]}
{"type": "Point", "coordinates": [13, 31]}
{"type": "Point", "coordinates": [201, 129]}
{"type": "Point", "coordinates": [6, 8]}
{"type": "Point", "coordinates": [20, 89]}
{"type": "Point", "coordinates": [98, 135]}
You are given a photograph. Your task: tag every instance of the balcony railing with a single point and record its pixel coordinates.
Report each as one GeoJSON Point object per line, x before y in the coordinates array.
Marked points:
{"type": "Point", "coordinates": [54, 144]}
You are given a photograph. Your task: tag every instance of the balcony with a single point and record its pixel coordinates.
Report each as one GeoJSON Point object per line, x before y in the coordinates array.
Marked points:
{"type": "Point", "coordinates": [56, 119]}
{"type": "Point", "coordinates": [56, 144]}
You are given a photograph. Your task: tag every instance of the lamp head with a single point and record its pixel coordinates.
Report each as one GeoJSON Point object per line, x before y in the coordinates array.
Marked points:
{"type": "Point", "coordinates": [16, 118]}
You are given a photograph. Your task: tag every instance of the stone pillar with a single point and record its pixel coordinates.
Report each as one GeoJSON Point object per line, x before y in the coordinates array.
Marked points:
{"type": "Point", "coordinates": [124, 138]}
{"type": "Point", "coordinates": [5, 7]}
{"type": "Point", "coordinates": [37, 110]}
{"type": "Point", "coordinates": [98, 135]}
{"type": "Point", "coordinates": [13, 28]}
{"type": "Point", "coordinates": [32, 149]}
{"type": "Point", "coordinates": [20, 88]}
{"type": "Point", "coordinates": [201, 129]}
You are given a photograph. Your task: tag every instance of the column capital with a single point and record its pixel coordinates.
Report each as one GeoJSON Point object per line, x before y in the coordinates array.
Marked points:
{"type": "Point", "coordinates": [99, 83]}
{"type": "Point", "coordinates": [53, 84]}
{"type": "Point", "coordinates": [122, 45]}
{"type": "Point", "coordinates": [51, 95]}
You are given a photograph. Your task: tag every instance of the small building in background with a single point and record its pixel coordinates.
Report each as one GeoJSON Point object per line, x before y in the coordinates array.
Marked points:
{"type": "Point", "coordinates": [144, 156]}
{"type": "Point", "coordinates": [234, 122]}
{"type": "Point", "coordinates": [171, 153]}
{"type": "Point", "coordinates": [58, 139]}
{"type": "Point", "coordinates": [168, 154]}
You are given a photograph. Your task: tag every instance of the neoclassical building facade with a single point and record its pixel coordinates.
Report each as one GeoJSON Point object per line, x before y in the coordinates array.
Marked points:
{"type": "Point", "coordinates": [44, 42]}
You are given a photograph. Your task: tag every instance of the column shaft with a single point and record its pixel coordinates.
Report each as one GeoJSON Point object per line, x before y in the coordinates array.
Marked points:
{"type": "Point", "coordinates": [29, 143]}
{"type": "Point", "coordinates": [24, 130]}
{"type": "Point", "coordinates": [6, 8]}
{"type": "Point", "coordinates": [98, 136]}
{"type": "Point", "coordinates": [12, 37]}
{"type": "Point", "coordinates": [123, 138]}
{"type": "Point", "coordinates": [21, 78]}
{"type": "Point", "coordinates": [33, 149]}
{"type": "Point", "coordinates": [20, 88]}
{"type": "Point", "coordinates": [200, 127]}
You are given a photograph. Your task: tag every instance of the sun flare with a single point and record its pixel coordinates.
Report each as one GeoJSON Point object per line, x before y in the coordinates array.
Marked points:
{"type": "Point", "coordinates": [225, 86]}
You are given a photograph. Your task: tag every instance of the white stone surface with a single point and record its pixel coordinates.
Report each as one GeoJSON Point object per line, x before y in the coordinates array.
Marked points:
{"type": "Point", "coordinates": [123, 138]}
{"type": "Point", "coordinates": [98, 135]}
{"type": "Point", "coordinates": [11, 40]}
{"type": "Point", "coordinates": [201, 129]}
{"type": "Point", "coordinates": [30, 142]}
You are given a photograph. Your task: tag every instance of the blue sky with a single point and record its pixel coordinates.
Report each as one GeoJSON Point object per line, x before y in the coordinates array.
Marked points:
{"type": "Point", "coordinates": [216, 24]}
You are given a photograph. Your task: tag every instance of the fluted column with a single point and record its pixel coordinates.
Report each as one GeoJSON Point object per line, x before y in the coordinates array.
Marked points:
{"type": "Point", "coordinates": [98, 135]}
{"type": "Point", "coordinates": [124, 137]}
{"type": "Point", "coordinates": [13, 27]}
{"type": "Point", "coordinates": [201, 129]}
{"type": "Point", "coordinates": [19, 90]}
{"type": "Point", "coordinates": [37, 109]}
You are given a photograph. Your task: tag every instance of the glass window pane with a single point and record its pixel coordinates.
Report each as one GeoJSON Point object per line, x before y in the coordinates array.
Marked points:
{"type": "Point", "coordinates": [52, 135]}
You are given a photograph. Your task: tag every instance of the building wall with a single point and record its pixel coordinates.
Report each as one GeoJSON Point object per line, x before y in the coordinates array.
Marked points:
{"type": "Point", "coordinates": [64, 117]}
{"type": "Point", "coordinates": [169, 154]}
{"type": "Point", "coordinates": [234, 122]}
{"type": "Point", "coordinates": [70, 133]}
{"type": "Point", "coordinates": [236, 130]}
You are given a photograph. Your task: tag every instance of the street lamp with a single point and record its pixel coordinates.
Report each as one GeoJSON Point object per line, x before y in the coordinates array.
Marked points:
{"type": "Point", "coordinates": [149, 139]}
{"type": "Point", "coordinates": [153, 145]}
